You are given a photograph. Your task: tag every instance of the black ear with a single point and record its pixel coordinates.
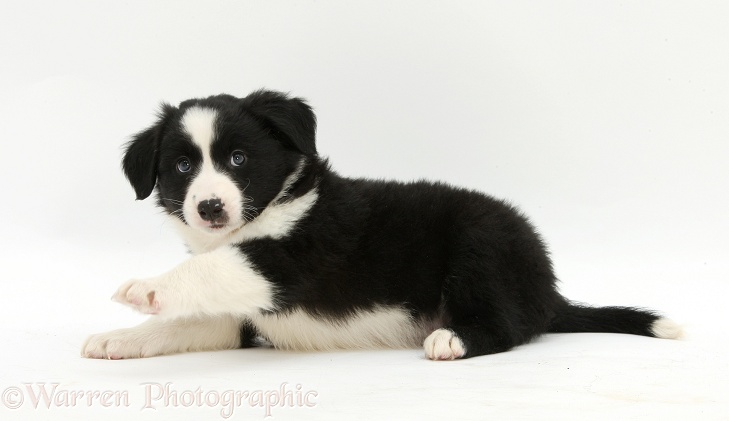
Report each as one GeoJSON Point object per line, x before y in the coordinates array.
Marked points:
{"type": "Point", "coordinates": [290, 119]}
{"type": "Point", "coordinates": [142, 154]}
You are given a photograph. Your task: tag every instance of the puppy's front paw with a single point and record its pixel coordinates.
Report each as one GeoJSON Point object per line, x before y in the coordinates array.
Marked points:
{"type": "Point", "coordinates": [145, 296]}
{"type": "Point", "coordinates": [121, 344]}
{"type": "Point", "coordinates": [443, 344]}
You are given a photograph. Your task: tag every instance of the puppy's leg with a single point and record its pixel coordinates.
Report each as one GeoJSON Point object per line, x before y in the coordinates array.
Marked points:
{"type": "Point", "coordinates": [158, 336]}
{"type": "Point", "coordinates": [493, 301]}
{"type": "Point", "coordinates": [481, 321]}
{"type": "Point", "coordinates": [218, 282]}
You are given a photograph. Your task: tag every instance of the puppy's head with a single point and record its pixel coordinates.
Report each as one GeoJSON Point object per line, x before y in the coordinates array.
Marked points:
{"type": "Point", "coordinates": [217, 162]}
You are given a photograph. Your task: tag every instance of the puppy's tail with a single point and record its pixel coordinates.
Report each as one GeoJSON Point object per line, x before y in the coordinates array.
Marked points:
{"type": "Point", "coordinates": [573, 317]}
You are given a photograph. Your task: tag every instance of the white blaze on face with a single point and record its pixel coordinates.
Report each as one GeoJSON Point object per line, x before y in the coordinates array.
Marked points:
{"type": "Point", "coordinates": [209, 183]}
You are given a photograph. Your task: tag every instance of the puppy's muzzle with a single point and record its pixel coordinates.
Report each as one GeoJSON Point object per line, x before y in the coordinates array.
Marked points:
{"type": "Point", "coordinates": [212, 211]}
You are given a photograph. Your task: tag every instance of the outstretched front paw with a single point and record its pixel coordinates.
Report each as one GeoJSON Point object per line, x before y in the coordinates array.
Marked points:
{"type": "Point", "coordinates": [145, 296]}
{"type": "Point", "coordinates": [122, 344]}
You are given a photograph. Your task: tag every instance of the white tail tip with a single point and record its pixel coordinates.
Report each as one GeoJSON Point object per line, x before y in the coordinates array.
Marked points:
{"type": "Point", "coordinates": [666, 329]}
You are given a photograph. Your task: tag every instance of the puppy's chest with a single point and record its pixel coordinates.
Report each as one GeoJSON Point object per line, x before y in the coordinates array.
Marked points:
{"type": "Point", "coordinates": [381, 327]}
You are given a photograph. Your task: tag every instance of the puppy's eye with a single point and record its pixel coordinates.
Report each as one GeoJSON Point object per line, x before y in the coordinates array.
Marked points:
{"type": "Point", "coordinates": [183, 165]}
{"type": "Point", "coordinates": [237, 159]}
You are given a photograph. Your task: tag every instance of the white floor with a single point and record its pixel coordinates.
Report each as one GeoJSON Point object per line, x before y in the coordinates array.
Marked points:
{"type": "Point", "coordinates": [581, 376]}
{"type": "Point", "coordinates": [568, 376]}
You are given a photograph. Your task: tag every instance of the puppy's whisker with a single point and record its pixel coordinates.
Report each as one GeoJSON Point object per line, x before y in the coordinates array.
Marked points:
{"type": "Point", "coordinates": [177, 202]}
{"type": "Point", "coordinates": [249, 183]}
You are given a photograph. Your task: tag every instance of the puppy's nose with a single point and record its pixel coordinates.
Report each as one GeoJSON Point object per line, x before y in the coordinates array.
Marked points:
{"type": "Point", "coordinates": [210, 210]}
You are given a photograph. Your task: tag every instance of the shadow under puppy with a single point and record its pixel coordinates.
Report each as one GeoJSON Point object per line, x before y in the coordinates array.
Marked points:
{"type": "Point", "coordinates": [286, 250]}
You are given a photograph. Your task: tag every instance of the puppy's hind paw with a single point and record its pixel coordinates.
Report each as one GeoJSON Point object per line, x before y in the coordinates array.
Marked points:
{"type": "Point", "coordinates": [442, 345]}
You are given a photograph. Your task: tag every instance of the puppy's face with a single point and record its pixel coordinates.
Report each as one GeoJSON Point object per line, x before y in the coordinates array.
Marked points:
{"type": "Point", "coordinates": [218, 168]}
{"type": "Point", "coordinates": [218, 162]}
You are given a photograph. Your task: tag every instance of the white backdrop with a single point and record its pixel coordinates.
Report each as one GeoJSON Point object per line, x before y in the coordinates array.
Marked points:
{"type": "Point", "coordinates": [606, 122]}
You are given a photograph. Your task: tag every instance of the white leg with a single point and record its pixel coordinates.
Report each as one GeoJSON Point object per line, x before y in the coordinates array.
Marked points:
{"type": "Point", "coordinates": [213, 283]}
{"type": "Point", "coordinates": [158, 336]}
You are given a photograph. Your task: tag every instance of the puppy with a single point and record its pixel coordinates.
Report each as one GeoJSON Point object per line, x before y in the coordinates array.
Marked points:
{"type": "Point", "coordinates": [287, 251]}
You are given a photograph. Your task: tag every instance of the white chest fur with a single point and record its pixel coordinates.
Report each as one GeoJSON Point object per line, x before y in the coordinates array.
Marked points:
{"type": "Point", "coordinates": [276, 221]}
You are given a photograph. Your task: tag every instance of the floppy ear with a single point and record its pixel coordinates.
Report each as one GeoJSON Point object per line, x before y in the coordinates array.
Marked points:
{"type": "Point", "coordinates": [291, 120]}
{"type": "Point", "coordinates": [142, 154]}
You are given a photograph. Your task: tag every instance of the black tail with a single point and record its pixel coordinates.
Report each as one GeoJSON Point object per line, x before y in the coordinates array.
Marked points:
{"type": "Point", "coordinates": [578, 318]}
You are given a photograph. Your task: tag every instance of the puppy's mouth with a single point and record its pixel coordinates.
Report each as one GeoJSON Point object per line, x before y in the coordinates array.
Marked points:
{"type": "Point", "coordinates": [222, 228]}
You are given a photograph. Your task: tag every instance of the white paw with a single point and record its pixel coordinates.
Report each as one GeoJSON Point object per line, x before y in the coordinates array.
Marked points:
{"type": "Point", "coordinates": [443, 344]}
{"type": "Point", "coordinates": [146, 296]}
{"type": "Point", "coordinates": [121, 344]}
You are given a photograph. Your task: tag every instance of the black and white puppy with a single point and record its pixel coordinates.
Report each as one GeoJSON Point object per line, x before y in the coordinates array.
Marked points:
{"type": "Point", "coordinates": [286, 250]}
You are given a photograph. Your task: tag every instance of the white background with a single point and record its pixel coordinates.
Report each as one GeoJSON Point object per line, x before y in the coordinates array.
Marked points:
{"type": "Point", "coordinates": [606, 122]}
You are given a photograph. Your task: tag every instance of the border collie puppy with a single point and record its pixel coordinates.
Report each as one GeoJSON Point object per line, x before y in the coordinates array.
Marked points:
{"type": "Point", "coordinates": [286, 250]}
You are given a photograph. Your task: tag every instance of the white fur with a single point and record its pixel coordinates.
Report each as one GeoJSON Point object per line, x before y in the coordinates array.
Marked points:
{"type": "Point", "coordinates": [157, 337]}
{"type": "Point", "coordinates": [289, 181]}
{"type": "Point", "coordinates": [208, 284]}
{"type": "Point", "coordinates": [209, 183]}
{"type": "Point", "coordinates": [382, 327]}
{"type": "Point", "coordinates": [199, 123]}
{"type": "Point", "coordinates": [277, 221]}
{"type": "Point", "coordinates": [666, 329]}
{"type": "Point", "coordinates": [443, 344]}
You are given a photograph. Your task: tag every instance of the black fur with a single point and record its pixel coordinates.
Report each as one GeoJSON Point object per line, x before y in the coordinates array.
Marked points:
{"type": "Point", "coordinates": [472, 262]}
{"type": "Point", "coordinates": [141, 161]}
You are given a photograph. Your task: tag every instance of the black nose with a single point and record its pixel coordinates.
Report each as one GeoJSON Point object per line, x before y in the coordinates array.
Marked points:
{"type": "Point", "coordinates": [210, 210]}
